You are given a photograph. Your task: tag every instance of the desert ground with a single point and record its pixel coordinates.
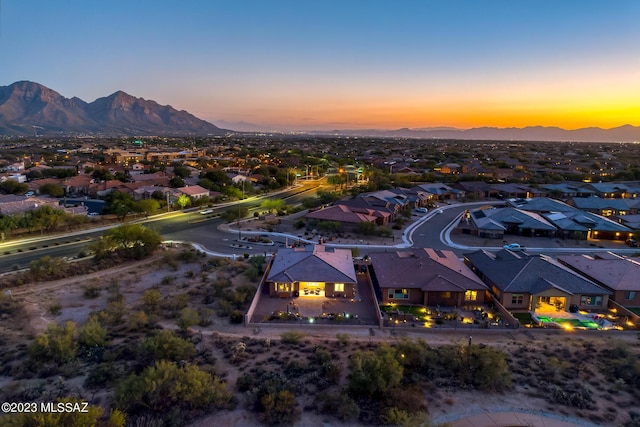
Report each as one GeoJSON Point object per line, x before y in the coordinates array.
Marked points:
{"type": "Point", "coordinates": [574, 376]}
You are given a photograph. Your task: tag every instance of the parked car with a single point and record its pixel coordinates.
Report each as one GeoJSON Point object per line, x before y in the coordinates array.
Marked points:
{"type": "Point", "coordinates": [206, 212]}
{"type": "Point", "coordinates": [92, 214]}
{"type": "Point", "coordinates": [514, 247]}
{"type": "Point", "coordinates": [421, 210]}
{"type": "Point", "coordinates": [632, 243]}
{"type": "Point", "coordinates": [29, 193]}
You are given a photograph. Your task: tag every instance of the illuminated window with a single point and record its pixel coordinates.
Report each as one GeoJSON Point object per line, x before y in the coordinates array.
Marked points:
{"type": "Point", "coordinates": [338, 287]}
{"type": "Point", "coordinates": [517, 299]}
{"type": "Point", "coordinates": [471, 295]}
{"type": "Point", "coordinates": [630, 295]}
{"type": "Point", "coordinates": [398, 293]}
{"type": "Point", "coordinates": [591, 300]}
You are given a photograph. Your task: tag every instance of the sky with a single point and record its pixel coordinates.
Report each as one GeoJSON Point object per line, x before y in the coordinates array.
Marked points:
{"type": "Point", "coordinates": [347, 64]}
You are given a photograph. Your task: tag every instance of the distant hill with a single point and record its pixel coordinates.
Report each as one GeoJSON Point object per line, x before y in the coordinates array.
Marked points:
{"type": "Point", "coordinates": [28, 108]}
{"type": "Point", "coordinates": [626, 133]}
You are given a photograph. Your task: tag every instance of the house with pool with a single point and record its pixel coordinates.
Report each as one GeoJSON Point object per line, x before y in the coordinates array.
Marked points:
{"type": "Point", "coordinates": [426, 277]}
{"type": "Point", "coordinates": [312, 271]}
{"type": "Point", "coordinates": [618, 274]}
{"type": "Point", "coordinates": [524, 282]}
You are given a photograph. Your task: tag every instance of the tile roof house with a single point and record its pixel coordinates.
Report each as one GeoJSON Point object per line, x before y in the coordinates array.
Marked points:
{"type": "Point", "coordinates": [525, 282]}
{"type": "Point", "coordinates": [343, 214]}
{"type": "Point", "coordinates": [426, 277]}
{"type": "Point", "coordinates": [596, 205]}
{"type": "Point", "coordinates": [495, 222]}
{"type": "Point", "coordinates": [194, 191]}
{"type": "Point", "coordinates": [618, 274]}
{"type": "Point", "coordinates": [312, 271]}
{"type": "Point", "coordinates": [574, 223]}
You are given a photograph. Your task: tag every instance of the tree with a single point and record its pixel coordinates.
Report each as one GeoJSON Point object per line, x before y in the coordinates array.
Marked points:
{"type": "Point", "coordinates": [92, 333]}
{"type": "Point", "coordinates": [166, 345]}
{"type": "Point", "coordinates": [165, 386]}
{"type": "Point", "coordinates": [57, 344]}
{"type": "Point", "coordinates": [53, 190]}
{"type": "Point", "coordinates": [188, 317]}
{"type": "Point", "coordinates": [149, 205]}
{"type": "Point", "coordinates": [133, 240]}
{"type": "Point", "coordinates": [47, 267]}
{"type": "Point", "coordinates": [11, 186]}
{"type": "Point", "coordinates": [183, 201]}
{"type": "Point", "coordinates": [373, 373]}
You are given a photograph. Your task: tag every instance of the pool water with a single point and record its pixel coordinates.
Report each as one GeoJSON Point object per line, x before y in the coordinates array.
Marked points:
{"type": "Point", "coordinates": [576, 323]}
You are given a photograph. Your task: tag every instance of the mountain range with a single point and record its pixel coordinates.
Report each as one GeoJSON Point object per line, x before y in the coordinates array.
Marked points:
{"type": "Point", "coordinates": [626, 133]}
{"type": "Point", "coordinates": [28, 108]}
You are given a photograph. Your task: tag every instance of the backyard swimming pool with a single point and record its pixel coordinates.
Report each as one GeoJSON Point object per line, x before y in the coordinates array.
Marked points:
{"type": "Point", "coordinates": [575, 323]}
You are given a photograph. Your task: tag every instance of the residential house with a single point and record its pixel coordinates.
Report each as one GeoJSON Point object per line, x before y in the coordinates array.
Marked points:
{"type": "Point", "coordinates": [440, 191]}
{"type": "Point", "coordinates": [518, 191]}
{"type": "Point", "coordinates": [612, 190]}
{"type": "Point", "coordinates": [426, 277]}
{"type": "Point", "coordinates": [194, 191]}
{"type": "Point", "coordinates": [476, 190]}
{"type": "Point", "coordinates": [574, 223]}
{"type": "Point", "coordinates": [613, 272]}
{"type": "Point", "coordinates": [312, 271]}
{"type": "Point", "coordinates": [524, 282]}
{"type": "Point", "coordinates": [346, 215]}
{"type": "Point", "coordinates": [495, 222]}
{"type": "Point", "coordinates": [600, 206]}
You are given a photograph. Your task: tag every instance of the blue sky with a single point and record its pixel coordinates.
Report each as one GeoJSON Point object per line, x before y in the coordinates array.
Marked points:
{"type": "Point", "coordinates": [350, 64]}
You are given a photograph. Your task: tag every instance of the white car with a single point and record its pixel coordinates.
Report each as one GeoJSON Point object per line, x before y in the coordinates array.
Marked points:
{"type": "Point", "coordinates": [513, 247]}
{"type": "Point", "coordinates": [206, 212]}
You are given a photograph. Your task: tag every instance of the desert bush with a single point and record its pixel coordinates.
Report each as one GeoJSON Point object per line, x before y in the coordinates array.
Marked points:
{"type": "Point", "coordinates": [292, 337]}
{"type": "Point", "coordinates": [343, 339]}
{"type": "Point", "coordinates": [165, 386]}
{"type": "Point", "coordinates": [167, 345]}
{"type": "Point", "coordinates": [92, 291]}
{"type": "Point", "coordinates": [373, 372]}
{"type": "Point", "coordinates": [57, 344]}
{"type": "Point", "coordinates": [341, 406]}
{"type": "Point", "coordinates": [236, 317]}
{"type": "Point", "coordinates": [92, 333]}
{"type": "Point", "coordinates": [188, 317]}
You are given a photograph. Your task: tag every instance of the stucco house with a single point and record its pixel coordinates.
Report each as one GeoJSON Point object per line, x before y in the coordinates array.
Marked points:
{"type": "Point", "coordinates": [312, 271]}
{"type": "Point", "coordinates": [426, 277]}
{"type": "Point", "coordinates": [524, 282]}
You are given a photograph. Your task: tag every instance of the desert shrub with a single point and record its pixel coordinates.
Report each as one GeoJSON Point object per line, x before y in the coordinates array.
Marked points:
{"type": "Point", "coordinates": [47, 268]}
{"type": "Point", "coordinates": [101, 376]}
{"type": "Point", "coordinates": [188, 317]}
{"type": "Point", "coordinates": [373, 372]}
{"type": "Point", "coordinates": [167, 345]}
{"type": "Point", "coordinates": [341, 406]}
{"type": "Point", "coordinates": [92, 291]}
{"type": "Point", "coordinates": [292, 337]}
{"type": "Point", "coordinates": [151, 301]}
{"type": "Point", "coordinates": [236, 317]}
{"type": "Point", "coordinates": [188, 256]}
{"type": "Point", "coordinates": [278, 408]}
{"type": "Point", "coordinates": [343, 339]}
{"type": "Point", "coordinates": [165, 386]}
{"type": "Point", "coordinates": [57, 344]}
{"type": "Point", "coordinates": [92, 333]}
{"type": "Point", "coordinates": [205, 315]}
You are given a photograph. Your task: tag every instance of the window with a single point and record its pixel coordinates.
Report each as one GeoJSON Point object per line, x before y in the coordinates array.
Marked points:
{"type": "Point", "coordinates": [517, 299]}
{"type": "Point", "coordinates": [338, 287]}
{"type": "Point", "coordinates": [631, 295]}
{"type": "Point", "coordinates": [591, 300]}
{"type": "Point", "coordinates": [471, 295]}
{"type": "Point", "coordinates": [283, 287]}
{"type": "Point", "coordinates": [445, 295]}
{"type": "Point", "coordinates": [398, 293]}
